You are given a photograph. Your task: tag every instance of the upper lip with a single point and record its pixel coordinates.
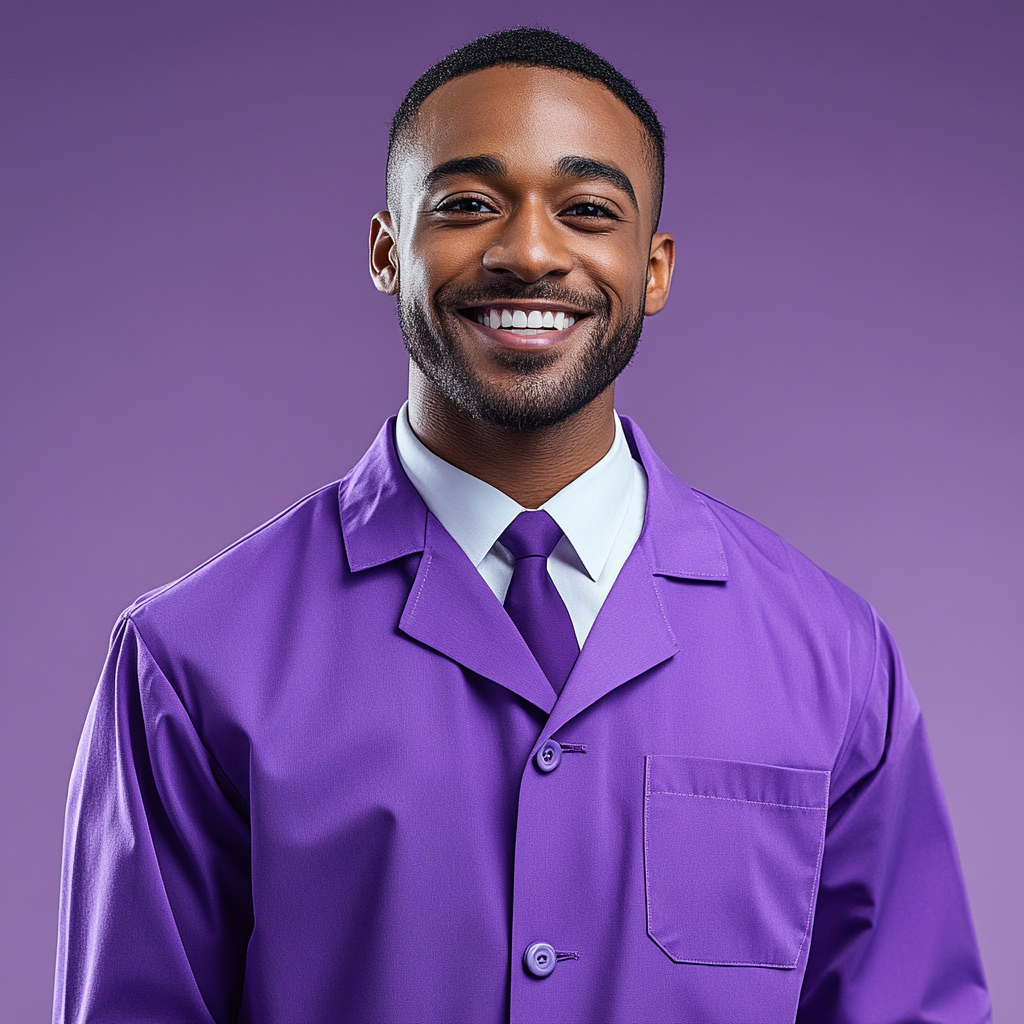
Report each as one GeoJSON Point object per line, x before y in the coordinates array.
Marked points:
{"type": "Point", "coordinates": [527, 304]}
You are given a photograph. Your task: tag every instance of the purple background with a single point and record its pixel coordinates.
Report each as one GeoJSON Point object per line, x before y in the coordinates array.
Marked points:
{"type": "Point", "coordinates": [191, 340]}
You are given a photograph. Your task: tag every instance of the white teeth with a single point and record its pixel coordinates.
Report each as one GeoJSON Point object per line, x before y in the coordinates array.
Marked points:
{"type": "Point", "coordinates": [534, 320]}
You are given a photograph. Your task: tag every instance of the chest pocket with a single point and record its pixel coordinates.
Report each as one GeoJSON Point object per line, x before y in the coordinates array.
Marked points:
{"type": "Point", "coordinates": [732, 853]}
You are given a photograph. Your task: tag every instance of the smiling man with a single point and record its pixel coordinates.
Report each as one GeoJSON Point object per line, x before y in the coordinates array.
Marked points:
{"type": "Point", "coordinates": [510, 724]}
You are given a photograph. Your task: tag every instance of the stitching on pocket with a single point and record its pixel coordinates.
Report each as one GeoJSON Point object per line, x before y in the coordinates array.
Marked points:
{"type": "Point", "coordinates": [647, 858]}
{"type": "Point", "coordinates": [817, 868]}
{"type": "Point", "coordinates": [737, 800]}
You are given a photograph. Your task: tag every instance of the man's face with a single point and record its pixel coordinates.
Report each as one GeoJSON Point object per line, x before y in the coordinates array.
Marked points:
{"type": "Point", "coordinates": [520, 243]}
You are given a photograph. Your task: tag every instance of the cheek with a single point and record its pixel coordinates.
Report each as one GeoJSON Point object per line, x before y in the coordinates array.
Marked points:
{"type": "Point", "coordinates": [431, 261]}
{"type": "Point", "coordinates": [414, 276]}
{"type": "Point", "coordinates": [623, 276]}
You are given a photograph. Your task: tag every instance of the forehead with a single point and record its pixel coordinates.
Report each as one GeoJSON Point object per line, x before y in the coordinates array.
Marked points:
{"type": "Point", "coordinates": [530, 117]}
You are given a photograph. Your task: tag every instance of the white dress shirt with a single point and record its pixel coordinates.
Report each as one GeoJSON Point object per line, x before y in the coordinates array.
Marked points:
{"type": "Point", "coordinates": [601, 514]}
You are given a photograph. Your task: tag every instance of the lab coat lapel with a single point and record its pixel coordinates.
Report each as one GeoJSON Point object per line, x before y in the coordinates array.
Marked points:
{"type": "Point", "coordinates": [451, 609]}
{"type": "Point", "coordinates": [630, 636]}
{"type": "Point", "coordinates": [632, 633]}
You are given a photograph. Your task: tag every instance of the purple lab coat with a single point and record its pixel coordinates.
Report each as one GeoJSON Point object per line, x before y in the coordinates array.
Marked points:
{"type": "Point", "coordinates": [306, 790]}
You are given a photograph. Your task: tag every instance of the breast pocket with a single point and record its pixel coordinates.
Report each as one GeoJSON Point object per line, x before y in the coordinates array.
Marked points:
{"type": "Point", "coordinates": [732, 853]}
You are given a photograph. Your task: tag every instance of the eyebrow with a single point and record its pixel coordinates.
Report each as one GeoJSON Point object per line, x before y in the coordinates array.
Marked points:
{"type": "Point", "coordinates": [584, 168]}
{"type": "Point", "coordinates": [579, 167]}
{"type": "Point", "coordinates": [485, 166]}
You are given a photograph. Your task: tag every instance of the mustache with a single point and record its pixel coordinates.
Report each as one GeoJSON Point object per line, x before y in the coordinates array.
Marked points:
{"type": "Point", "coordinates": [455, 298]}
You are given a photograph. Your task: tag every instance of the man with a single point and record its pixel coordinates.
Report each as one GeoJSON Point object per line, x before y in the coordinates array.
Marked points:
{"type": "Point", "coordinates": [511, 724]}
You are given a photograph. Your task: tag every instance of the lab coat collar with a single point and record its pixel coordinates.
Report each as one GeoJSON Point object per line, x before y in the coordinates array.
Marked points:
{"type": "Point", "coordinates": [383, 517]}
{"type": "Point", "coordinates": [680, 535]}
{"type": "Point", "coordinates": [452, 610]}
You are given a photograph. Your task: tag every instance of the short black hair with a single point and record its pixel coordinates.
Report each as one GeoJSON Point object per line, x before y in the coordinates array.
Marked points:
{"type": "Point", "coordinates": [533, 48]}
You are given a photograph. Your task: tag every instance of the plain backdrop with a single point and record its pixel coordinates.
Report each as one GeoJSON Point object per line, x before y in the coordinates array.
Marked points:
{"type": "Point", "coordinates": [191, 341]}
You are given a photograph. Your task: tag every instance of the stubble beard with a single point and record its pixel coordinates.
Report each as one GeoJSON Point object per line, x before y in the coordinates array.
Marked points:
{"type": "Point", "coordinates": [536, 399]}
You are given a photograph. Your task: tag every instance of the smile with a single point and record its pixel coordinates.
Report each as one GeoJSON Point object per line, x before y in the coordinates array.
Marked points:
{"type": "Point", "coordinates": [502, 318]}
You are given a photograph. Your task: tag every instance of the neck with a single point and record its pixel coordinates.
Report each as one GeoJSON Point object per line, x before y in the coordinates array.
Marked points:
{"type": "Point", "coordinates": [529, 466]}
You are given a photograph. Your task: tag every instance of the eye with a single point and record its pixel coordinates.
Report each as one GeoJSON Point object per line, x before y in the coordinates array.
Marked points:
{"type": "Point", "coordinates": [589, 210]}
{"type": "Point", "coordinates": [465, 204]}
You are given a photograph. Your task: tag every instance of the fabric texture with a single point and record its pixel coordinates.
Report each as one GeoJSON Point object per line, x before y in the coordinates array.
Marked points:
{"type": "Point", "coordinates": [532, 601]}
{"type": "Point", "coordinates": [306, 790]}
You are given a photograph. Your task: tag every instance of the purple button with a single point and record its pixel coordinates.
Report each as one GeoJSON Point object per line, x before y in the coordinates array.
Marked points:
{"type": "Point", "coordinates": [549, 755]}
{"type": "Point", "coordinates": [539, 959]}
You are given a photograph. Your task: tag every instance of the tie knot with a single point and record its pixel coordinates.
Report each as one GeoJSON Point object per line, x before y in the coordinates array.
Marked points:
{"type": "Point", "coordinates": [531, 534]}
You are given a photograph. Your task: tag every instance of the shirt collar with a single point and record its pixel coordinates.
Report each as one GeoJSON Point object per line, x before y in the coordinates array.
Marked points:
{"type": "Point", "coordinates": [589, 510]}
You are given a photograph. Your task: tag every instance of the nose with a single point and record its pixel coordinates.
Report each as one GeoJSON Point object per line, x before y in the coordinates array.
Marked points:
{"type": "Point", "coordinates": [529, 244]}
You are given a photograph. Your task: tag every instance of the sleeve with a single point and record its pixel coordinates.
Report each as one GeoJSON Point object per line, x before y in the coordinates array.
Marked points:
{"type": "Point", "coordinates": [156, 905]}
{"type": "Point", "coordinates": [892, 938]}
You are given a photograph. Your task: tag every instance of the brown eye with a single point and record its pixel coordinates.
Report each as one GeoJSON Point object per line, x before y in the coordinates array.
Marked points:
{"type": "Point", "coordinates": [466, 204]}
{"type": "Point", "coordinates": [594, 210]}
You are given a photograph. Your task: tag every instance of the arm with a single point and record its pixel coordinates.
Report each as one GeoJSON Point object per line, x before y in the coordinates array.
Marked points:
{"type": "Point", "coordinates": [892, 939]}
{"type": "Point", "coordinates": [156, 906]}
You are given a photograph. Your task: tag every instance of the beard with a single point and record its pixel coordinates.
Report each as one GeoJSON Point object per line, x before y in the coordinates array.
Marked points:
{"type": "Point", "coordinates": [537, 398]}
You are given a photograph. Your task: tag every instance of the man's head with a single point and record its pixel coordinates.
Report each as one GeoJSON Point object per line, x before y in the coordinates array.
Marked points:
{"type": "Point", "coordinates": [524, 183]}
{"type": "Point", "coordinates": [530, 48]}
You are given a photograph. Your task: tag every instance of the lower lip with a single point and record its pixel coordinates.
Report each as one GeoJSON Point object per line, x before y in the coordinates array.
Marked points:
{"type": "Point", "coordinates": [523, 342]}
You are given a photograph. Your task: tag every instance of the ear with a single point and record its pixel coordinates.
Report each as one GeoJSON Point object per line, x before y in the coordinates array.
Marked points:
{"type": "Point", "coordinates": [384, 253]}
{"type": "Point", "coordinates": [659, 272]}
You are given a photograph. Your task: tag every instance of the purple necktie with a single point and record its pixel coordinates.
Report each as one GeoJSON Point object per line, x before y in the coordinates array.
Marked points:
{"type": "Point", "coordinates": [532, 601]}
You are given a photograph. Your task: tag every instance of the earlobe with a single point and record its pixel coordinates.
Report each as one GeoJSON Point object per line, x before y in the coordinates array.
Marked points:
{"type": "Point", "coordinates": [383, 253]}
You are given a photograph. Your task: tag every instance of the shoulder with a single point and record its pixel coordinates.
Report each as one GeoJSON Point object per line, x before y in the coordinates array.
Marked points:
{"type": "Point", "coordinates": [297, 546]}
{"type": "Point", "coordinates": [761, 560]}
{"type": "Point", "coordinates": [764, 583]}
{"type": "Point", "coordinates": [696, 536]}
